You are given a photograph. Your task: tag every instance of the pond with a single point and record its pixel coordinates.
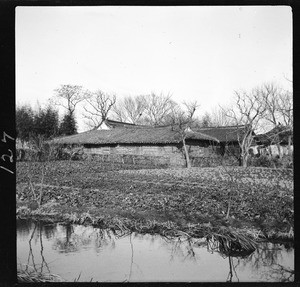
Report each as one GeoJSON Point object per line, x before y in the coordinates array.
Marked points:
{"type": "Point", "coordinates": [85, 253]}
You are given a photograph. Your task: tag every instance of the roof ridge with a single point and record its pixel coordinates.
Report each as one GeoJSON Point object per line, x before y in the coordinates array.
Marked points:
{"type": "Point", "coordinates": [221, 127]}
{"type": "Point", "coordinates": [208, 136]}
{"type": "Point", "coordinates": [124, 123]}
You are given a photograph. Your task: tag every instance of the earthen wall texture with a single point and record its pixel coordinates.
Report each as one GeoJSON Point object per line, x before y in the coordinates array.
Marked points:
{"type": "Point", "coordinates": [152, 156]}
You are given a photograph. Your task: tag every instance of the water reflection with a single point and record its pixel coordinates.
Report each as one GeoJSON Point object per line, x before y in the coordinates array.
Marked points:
{"type": "Point", "coordinates": [36, 230]}
{"type": "Point", "coordinates": [87, 253]}
{"type": "Point", "coordinates": [269, 257]}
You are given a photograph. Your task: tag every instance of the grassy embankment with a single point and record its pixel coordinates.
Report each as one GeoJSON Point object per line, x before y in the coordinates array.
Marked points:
{"type": "Point", "coordinates": [193, 202]}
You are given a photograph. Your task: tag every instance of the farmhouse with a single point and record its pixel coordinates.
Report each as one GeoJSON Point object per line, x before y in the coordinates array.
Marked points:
{"type": "Point", "coordinates": [277, 141]}
{"type": "Point", "coordinates": [145, 146]}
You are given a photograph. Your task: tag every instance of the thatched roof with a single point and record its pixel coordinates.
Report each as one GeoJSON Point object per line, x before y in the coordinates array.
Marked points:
{"type": "Point", "coordinates": [277, 135]}
{"type": "Point", "coordinates": [225, 133]}
{"type": "Point", "coordinates": [146, 135]}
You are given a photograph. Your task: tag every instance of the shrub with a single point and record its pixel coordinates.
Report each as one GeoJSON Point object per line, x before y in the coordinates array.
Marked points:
{"type": "Point", "coordinates": [26, 154]}
{"type": "Point", "coordinates": [262, 161]}
{"type": "Point", "coordinates": [44, 154]}
{"type": "Point", "coordinates": [287, 161]}
{"type": "Point", "coordinates": [272, 162]}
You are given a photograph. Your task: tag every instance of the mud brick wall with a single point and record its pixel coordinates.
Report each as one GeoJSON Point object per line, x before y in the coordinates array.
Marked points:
{"type": "Point", "coordinates": [153, 156]}
{"type": "Point", "coordinates": [141, 161]}
{"type": "Point", "coordinates": [131, 149]}
{"type": "Point", "coordinates": [210, 156]}
{"type": "Point", "coordinates": [143, 155]}
{"type": "Point", "coordinates": [146, 156]}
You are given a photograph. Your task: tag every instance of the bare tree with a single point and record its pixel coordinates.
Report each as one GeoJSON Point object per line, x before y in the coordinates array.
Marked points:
{"type": "Point", "coordinates": [68, 96]}
{"type": "Point", "coordinates": [269, 99]}
{"type": "Point", "coordinates": [182, 121]}
{"type": "Point", "coordinates": [278, 111]}
{"type": "Point", "coordinates": [119, 112]}
{"type": "Point", "coordinates": [285, 106]}
{"type": "Point", "coordinates": [153, 109]}
{"type": "Point", "coordinates": [44, 153]}
{"type": "Point", "coordinates": [174, 115]}
{"type": "Point", "coordinates": [135, 107]}
{"type": "Point", "coordinates": [205, 121]}
{"type": "Point", "coordinates": [158, 107]}
{"type": "Point", "coordinates": [220, 118]}
{"type": "Point", "coordinates": [247, 111]}
{"type": "Point", "coordinates": [130, 109]}
{"type": "Point", "coordinates": [97, 107]}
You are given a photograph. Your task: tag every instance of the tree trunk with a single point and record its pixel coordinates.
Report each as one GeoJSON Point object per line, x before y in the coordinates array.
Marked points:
{"type": "Point", "coordinates": [187, 157]}
{"type": "Point", "coordinates": [244, 159]}
{"type": "Point", "coordinates": [279, 150]}
{"type": "Point", "coordinates": [289, 145]}
{"type": "Point", "coordinates": [228, 208]}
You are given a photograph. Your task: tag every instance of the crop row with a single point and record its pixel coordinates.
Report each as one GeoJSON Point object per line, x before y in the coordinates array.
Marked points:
{"type": "Point", "coordinates": [178, 194]}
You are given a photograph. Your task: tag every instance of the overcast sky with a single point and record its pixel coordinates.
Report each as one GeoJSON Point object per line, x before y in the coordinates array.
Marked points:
{"type": "Point", "coordinates": [194, 53]}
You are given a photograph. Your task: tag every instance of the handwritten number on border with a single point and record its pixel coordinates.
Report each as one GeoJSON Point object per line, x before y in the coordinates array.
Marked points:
{"type": "Point", "coordinates": [6, 169]}
{"type": "Point", "coordinates": [5, 135]}
{"type": "Point", "coordinates": [9, 156]}
{"type": "Point", "coordinates": [4, 157]}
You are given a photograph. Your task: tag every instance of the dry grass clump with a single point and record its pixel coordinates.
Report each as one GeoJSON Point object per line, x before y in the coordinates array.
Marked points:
{"type": "Point", "coordinates": [227, 241]}
{"type": "Point", "coordinates": [30, 275]}
{"type": "Point", "coordinates": [231, 243]}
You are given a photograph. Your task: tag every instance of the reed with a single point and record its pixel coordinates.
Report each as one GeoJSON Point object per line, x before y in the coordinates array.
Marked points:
{"type": "Point", "coordinates": [229, 242]}
{"type": "Point", "coordinates": [30, 275]}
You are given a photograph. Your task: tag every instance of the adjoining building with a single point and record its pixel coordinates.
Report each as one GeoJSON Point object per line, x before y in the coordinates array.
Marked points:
{"type": "Point", "coordinates": [225, 134]}
{"type": "Point", "coordinates": [276, 142]}
{"type": "Point", "coordinates": [229, 137]}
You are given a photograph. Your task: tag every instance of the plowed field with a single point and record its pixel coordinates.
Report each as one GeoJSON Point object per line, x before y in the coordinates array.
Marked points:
{"type": "Point", "coordinates": [259, 197]}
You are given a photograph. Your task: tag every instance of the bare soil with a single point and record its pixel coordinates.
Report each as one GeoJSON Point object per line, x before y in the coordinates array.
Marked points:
{"type": "Point", "coordinates": [156, 200]}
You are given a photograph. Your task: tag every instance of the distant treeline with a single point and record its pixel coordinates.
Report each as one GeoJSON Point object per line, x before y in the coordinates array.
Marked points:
{"type": "Point", "coordinates": [43, 122]}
